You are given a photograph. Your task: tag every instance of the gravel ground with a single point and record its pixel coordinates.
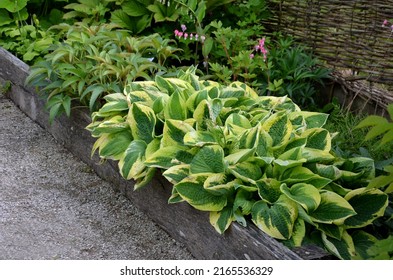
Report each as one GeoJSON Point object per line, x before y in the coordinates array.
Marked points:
{"type": "Point", "coordinates": [53, 206]}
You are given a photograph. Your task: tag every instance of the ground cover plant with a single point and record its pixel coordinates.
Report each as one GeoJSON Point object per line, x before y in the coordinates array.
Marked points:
{"type": "Point", "coordinates": [240, 157]}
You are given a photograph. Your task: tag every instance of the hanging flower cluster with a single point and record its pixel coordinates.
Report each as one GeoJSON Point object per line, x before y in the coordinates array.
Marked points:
{"type": "Point", "coordinates": [386, 23]}
{"type": "Point", "coordinates": [191, 36]}
{"type": "Point", "coordinates": [260, 48]}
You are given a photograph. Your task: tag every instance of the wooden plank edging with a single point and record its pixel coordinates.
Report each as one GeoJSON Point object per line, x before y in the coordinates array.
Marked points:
{"type": "Point", "coordinates": [181, 221]}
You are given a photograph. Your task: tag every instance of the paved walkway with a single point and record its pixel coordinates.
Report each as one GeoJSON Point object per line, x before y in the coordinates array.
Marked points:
{"type": "Point", "coordinates": [52, 206]}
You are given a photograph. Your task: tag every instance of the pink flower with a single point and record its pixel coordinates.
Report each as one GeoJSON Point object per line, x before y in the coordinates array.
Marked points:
{"type": "Point", "coordinates": [203, 39]}
{"type": "Point", "coordinates": [196, 37]}
{"type": "Point", "coordinates": [176, 32]}
{"type": "Point", "coordinates": [385, 22]}
{"type": "Point", "coordinates": [185, 36]}
{"type": "Point", "coordinates": [180, 34]}
{"type": "Point", "coordinates": [252, 55]}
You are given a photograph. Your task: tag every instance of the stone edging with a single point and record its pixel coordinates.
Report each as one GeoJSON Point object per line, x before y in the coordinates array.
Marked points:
{"type": "Point", "coordinates": [181, 221]}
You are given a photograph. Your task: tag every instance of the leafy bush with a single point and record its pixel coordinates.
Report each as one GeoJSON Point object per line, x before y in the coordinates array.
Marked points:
{"type": "Point", "coordinates": [93, 61]}
{"type": "Point", "coordinates": [240, 156]}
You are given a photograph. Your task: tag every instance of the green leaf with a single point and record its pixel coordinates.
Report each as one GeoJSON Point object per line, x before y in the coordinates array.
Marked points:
{"type": "Point", "coordinates": [199, 138]}
{"type": "Point", "coordinates": [306, 195]}
{"type": "Point", "coordinates": [318, 138]}
{"type": "Point", "coordinates": [246, 171]}
{"type": "Point", "coordinates": [279, 128]}
{"type": "Point", "coordinates": [174, 132]}
{"type": "Point", "coordinates": [177, 173]}
{"type": "Point", "coordinates": [131, 164]}
{"type": "Point", "coordinates": [175, 108]}
{"type": "Point", "coordinates": [142, 121]}
{"type": "Point", "coordinates": [209, 159]}
{"type": "Point", "coordinates": [239, 156]}
{"type": "Point", "coordinates": [269, 189]}
{"type": "Point", "coordinates": [298, 233]}
{"type": "Point", "coordinates": [300, 174]}
{"type": "Point", "coordinates": [12, 5]}
{"type": "Point", "coordinates": [368, 205]}
{"type": "Point", "coordinates": [115, 145]}
{"type": "Point", "coordinates": [371, 121]}
{"type": "Point", "coordinates": [134, 8]}
{"type": "Point", "coordinates": [332, 209]}
{"type": "Point", "coordinates": [162, 158]}
{"type": "Point", "coordinates": [276, 220]}
{"type": "Point", "coordinates": [191, 190]}
{"type": "Point", "coordinates": [343, 249]}
{"type": "Point", "coordinates": [221, 220]}
{"type": "Point", "coordinates": [312, 119]}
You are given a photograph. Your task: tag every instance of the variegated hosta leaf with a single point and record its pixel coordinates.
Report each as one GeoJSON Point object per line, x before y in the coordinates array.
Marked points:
{"type": "Point", "coordinates": [318, 138]}
{"type": "Point", "coordinates": [363, 242]}
{"type": "Point", "coordinates": [300, 174]}
{"type": "Point", "coordinates": [246, 171]}
{"type": "Point", "coordinates": [112, 146]}
{"type": "Point", "coordinates": [238, 120]}
{"type": "Point", "coordinates": [177, 173]}
{"type": "Point", "coordinates": [248, 90]}
{"type": "Point", "coordinates": [269, 190]}
{"type": "Point", "coordinates": [311, 119]}
{"type": "Point", "coordinates": [113, 108]}
{"type": "Point", "coordinates": [279, 128]}
{"type": "Point", "coordinates": [331, 230]}
{"type": "Point", "coordinates": [265, 144]}
{"type": "Point", "coordinates": [276, 220]}
{"type": "Point", "coordinates": [332, 209]}
{"type": "Point", "coordinates": [131, 163]}
{"type": "Point", "coordinates": [111, 125]}
{"type": "Point", "coordinates": [210, 159]}
{"type": "Point", "coordinates": [327, 171]}
{"type": "Point", "coordinates": [142, 121]}
{"type": "Point", "coordinates": [145, 178]}
{"type": "Point", "coordinates": [362, 165]}
{"type": "Point", "coordinates": [191, 190]}
{"type": "Point", "coordinates": [221, 220]}
{"type": "Point", "coordinates": [306, 195]}
{"type": "Point", "coordinates": [174, 132]}
{"type": "Point", "coordinates": [217, 184]}
{"type": "Point", "coordinates": [175, 197]}
{"type": "Point", "coordinates": [343, 249]}
{"type": "Point", "coordinates": [315, 155]}
{"type": "Point", "coordinates": [196, 98]}
{"type": "Point", "coordinates": [199, 138]}
{"type": "Point", "coordinates": [140, 96]}
{"type": "Point", "coordinates": [175, 108]}
{"type": "Point", "coordinates": [202, 113]}
{"type": "Point", "coordinates": [250, 138]}
{"type": "Point", "coordinates": [163, 158]}
{"type": "Point", "coordinates": [239, 156]}
{"type": "Point", "coordinates": [244, 200]}
{"type": "Point", "coordinates": [298, 233]}
{"type": "Point", "coordinates": [368, 204]}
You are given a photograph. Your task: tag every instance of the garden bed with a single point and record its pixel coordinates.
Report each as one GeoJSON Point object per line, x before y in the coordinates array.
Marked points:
{"type": "Point", "coordinates": [181, 221]}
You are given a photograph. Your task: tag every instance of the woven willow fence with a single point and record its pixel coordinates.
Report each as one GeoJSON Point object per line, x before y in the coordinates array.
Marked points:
{"type": "Point", "coordinates": [349, 36]}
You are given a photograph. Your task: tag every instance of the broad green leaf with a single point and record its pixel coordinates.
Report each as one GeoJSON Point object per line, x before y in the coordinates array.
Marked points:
{"type": "Point", "coordinates": [279, 128]}
{"type": "Point", "coordinates": [276, 220]}
{"type": "Point", "coordinates": [145, 178]}
{"type": "Point", "coordinates": [331, 230]}
{"type": "Point", "coordinates": [315, 155]}
{"type": "Point", "coordinates": [196, 98]}
{"type": "Point", "coordinates": [372, 121]}
{"type": "Point", "coordinates": [142, 122]}
{"type": "Point", "coordinates": [221, 220]}
{"type": "Point", "coordinates": [363, 241]}
{"type": "Point", "coordinates": [199, 138]}
{"type": "Point", "coordinates": [269, 189]}
{"type": "Point", "coordinates": [318, 138]}
{"type": "Point", "coordinates": [112, 125]}
{"type": "Point", "coordinates": [202, 113]}
{"type": "Point", "coordinates": [162, 158]}
{"type": "Point", "coordinates": [265, 144]}
{"type": "Point", "coordinates": [238, 120]}
{"type": "Point", "coordinates": [130, 164]}
{"type": "Point", "coordinates": [177, 173]}
{"type": "Point", "coordinates": [343, 249]}
{"type": "Point", "coordinates": [387, 138]}
{"type": "Point", "coordinates": [368, 205]}
{"type": "Point", "coordinates": [312, 119]}
{"type": "Point", "coordinates": [115, 145]}
{"type": "Point", "coordinates": [380, 181]}
{"type": "Point", "coordinates": [327, 171]}
{"type": "Point", "coordinates": [210, 159]}
{"type": "Point", "coordinates": [134, 8]}
{"type": "Point", "coordinates": [298, 233]}
{"type": "Point", "coordinates": [244, 200]}
{"type": "Point", "coordinates": [175, 197]}
{"type": "Point", "coordinates": [306, 195]}
{"type": "Point", "coordinates": [300, 174]}
{"type": "Point", "coordinates": [175, 108]}
{"type": "Point", "coordinates": [246, 171]}
{"type": "Point", "coordinates": [332, 209]}
{"type": "Point", "coordinates": [174, 132]}
{"type": "Point", "coordinates": [12, 5]}
{"type": "Point", "coordinates": [239, 156]}
{"type": "Point", "coordinates": [191, 190]}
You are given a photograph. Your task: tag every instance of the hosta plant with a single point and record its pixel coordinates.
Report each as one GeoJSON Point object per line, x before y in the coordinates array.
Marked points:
{"type": "Point", "coordinates": [241, 157]}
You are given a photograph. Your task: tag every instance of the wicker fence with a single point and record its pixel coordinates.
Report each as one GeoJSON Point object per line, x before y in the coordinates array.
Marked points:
{"type": "Point", "coordinates": [348, 35]}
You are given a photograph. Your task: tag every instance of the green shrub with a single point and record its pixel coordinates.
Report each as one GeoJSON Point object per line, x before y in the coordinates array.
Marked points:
{"type": "Point", "coordinates": [93, 61]}
{"type": "Point", "coordinates": [240, 157]}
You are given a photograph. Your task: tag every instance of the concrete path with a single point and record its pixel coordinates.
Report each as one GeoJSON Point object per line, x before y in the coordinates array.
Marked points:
{"type": "Point", "coordinates": [52, 206]}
